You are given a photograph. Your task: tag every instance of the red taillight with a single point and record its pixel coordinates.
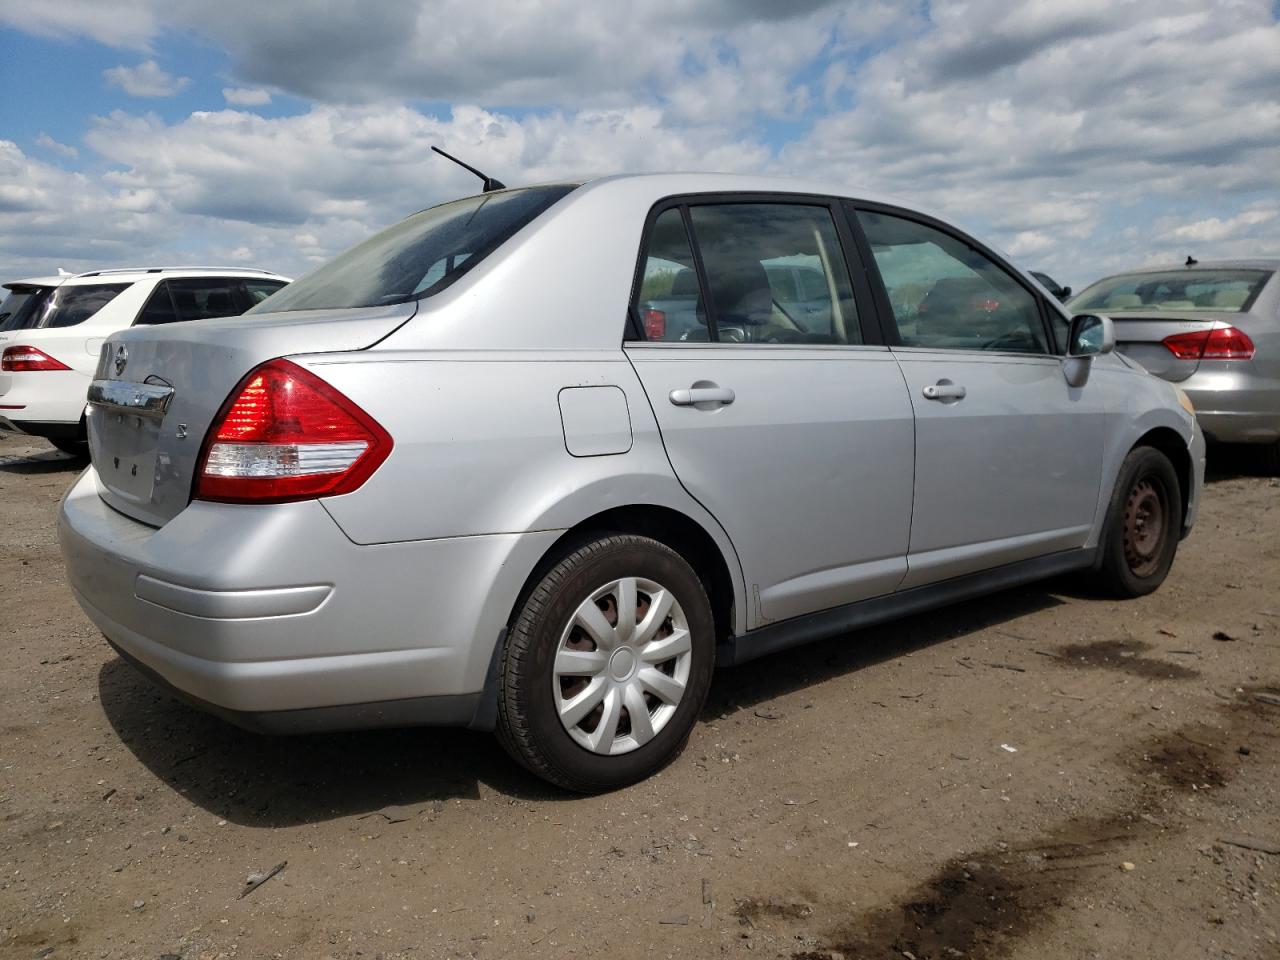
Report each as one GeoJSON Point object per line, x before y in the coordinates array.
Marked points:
{"type": "Point", "coordinates": [1222, 343]}
{"type": "Point", "coordinates": [655, 324]}
{"type": "Point", "coordinates": [284, 434]}
{"type": "Point", "coordinates": [28, 359]}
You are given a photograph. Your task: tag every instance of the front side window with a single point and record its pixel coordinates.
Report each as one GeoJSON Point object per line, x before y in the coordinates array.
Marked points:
{"type": "Point", "coordinates": [418, 256]}
{"type": "Point", "coordinates": [72, 305]}
{"type": "Point", "coordinates": [946, 295]}
{"type": "Point", "coordinates": [1216, 291]}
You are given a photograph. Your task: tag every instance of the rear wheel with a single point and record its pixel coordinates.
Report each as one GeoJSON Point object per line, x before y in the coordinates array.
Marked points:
{"type": "Point", "coordinates": [1143, 521]}
{"type": "Point", "coordinates": [607, 665]}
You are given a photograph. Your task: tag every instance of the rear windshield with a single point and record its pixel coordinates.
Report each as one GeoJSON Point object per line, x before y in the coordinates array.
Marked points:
{"type": "Point", "coordinates": [64, 306]}
{"type": "Point", "coordinates": [419, 256]}
{"type": "Point", "coordinates": [1215, 291]}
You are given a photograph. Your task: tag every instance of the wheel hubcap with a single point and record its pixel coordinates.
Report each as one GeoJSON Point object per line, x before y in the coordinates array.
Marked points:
{"type": "Point", "coordinates": [622, 666]}
{"type": "Point", "coordinates": [1144, 528]}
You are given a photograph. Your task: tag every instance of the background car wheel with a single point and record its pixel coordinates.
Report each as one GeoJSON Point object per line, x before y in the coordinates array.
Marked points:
{"type": "Point", "coordinates": [607, 665]}
{"type": "Point", "coordinates": [1143, 522]}
{"type": "Point", "coordinates": [1269, 459]}
{"type": "Point", "coordinates": [77, 448]}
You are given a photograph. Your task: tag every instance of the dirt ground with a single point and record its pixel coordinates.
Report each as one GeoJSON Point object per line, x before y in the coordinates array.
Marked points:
{"type": "Point", "coordinates": [1036, 774]}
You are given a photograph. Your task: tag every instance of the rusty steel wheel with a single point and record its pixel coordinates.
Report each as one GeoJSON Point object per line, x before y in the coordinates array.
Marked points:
{"type": "Point", "coordinates": [1144, 526]}
{"type": "Point", "coordinates": [1143, 520]}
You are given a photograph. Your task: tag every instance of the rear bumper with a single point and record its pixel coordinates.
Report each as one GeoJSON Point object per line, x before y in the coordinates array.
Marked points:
{"type": "Point", "coordinates": [1234, 402]}
{"type": "Point", "coordinates": [35, 403]}
{"type": "Point", "coordinates": [271, 617]}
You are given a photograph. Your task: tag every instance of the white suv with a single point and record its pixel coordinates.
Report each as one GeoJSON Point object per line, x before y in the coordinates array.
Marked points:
{"type": "Point", "coordinates": [53, 328]}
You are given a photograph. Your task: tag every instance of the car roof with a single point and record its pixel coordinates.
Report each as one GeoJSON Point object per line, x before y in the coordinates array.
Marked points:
{"type": "Point", "coordinates": [139, 273]}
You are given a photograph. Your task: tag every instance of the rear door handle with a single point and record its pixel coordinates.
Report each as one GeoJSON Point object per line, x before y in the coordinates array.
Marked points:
{"type": "Point", "coordinates": [695, 395]}
{"type": "Point", "coordinates": [944, 390]}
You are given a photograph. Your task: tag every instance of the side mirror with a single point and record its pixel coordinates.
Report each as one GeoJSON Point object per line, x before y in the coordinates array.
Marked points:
{"type": "Point", "coordinates": [1091, 335]}
{"type": "Point", "coordinates": [1066, 292]}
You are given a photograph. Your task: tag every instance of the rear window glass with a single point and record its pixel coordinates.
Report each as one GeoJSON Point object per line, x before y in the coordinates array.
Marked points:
{"type": "Point", "coordinates": [418, 256]}
{"type": "Point", "coordinates": [1213, 291]}
{"type": "Point", "coordinates": [21, 307]}
{"type": "Point", "coordinates": [72, 305]}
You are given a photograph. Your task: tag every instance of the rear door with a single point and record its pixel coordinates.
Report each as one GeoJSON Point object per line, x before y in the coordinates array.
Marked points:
{"type": "Point", "coordinates": [1008, 455]}
{"type": "Point", "coordinates": [798, 440]}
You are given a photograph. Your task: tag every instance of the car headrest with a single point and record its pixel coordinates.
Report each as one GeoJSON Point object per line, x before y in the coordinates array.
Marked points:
{"type": "Point", "coordinates": [740, 289]}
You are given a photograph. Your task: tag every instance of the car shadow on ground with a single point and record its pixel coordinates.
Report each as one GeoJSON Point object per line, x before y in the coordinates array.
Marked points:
{"type": "Point", "coordinates": [266, 781]}
{"type": "Point", "coordinates": [1232, 461]}
{"type": "Point", "coordinates": [42, 463]}
{"type": "Point", "coordinates": [774, 676]}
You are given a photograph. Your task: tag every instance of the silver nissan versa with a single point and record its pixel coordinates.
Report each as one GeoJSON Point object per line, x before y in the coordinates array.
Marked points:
{"type": "Point", "coordinates": [461, 475]}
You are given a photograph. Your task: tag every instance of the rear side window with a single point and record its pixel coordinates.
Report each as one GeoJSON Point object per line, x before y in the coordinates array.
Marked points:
{"type": "Point", "coordinates": [670, 306]}
{"type": "Point", "coordinates": [740, 242]}
{"type": "Point", "coordinates": [191, 299]}
{"type": "Point", "coordinates": [419, 256]}
{"type": "Point", "coordinates": [71, 305]}
{"type": "Point", "coordinates": [946, 295]}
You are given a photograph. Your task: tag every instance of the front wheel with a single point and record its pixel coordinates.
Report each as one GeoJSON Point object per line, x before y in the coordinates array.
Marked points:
{"type": "Point", "coordinates": [1142, 526]}
{"type": "Point", "coordinates": [607, 665]}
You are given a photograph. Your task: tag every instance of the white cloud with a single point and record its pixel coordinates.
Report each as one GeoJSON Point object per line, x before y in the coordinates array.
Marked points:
{"type": "Point", "coordinates": [145, 80]}
{"type": "Point", "coordinates": [246, 96]}
{"type": "Point", "coordinates": [130, 24]}
{"type": "Point", "coordinates": [1214, 229]}
{"type": "Point", "coordinates": [52, 145]}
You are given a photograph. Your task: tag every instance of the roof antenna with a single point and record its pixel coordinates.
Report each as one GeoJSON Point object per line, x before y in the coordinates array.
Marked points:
{"type": "Point", "coordinates": [1191, 261]}
{"type": "Point", "coordinates": [490, 184]}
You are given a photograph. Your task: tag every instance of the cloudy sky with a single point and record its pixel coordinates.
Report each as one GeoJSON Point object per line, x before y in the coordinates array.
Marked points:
{"type": "Point", "coordinates": [1082, 136]}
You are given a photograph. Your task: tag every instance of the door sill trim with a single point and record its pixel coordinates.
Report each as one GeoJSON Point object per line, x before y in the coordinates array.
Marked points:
{"type": "Point", "coordinates": [866, 613]}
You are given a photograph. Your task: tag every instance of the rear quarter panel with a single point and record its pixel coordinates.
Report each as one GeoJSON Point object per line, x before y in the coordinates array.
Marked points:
{"type": "Point", "coordinates": [480, 448]}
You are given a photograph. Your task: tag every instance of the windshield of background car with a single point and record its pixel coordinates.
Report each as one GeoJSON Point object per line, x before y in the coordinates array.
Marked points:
{"type": "Point", "coordinates": [1223, 291]}
{"type": "Point", "coordinates": [20, 305]}
{"type": "Point", "coordinates": [419, 256]}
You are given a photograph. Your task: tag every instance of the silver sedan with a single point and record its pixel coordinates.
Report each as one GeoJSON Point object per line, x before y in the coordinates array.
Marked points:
{"type": "Point", "coordinates": [1213, 328]}
{"type": "Point", "coordinates": [458, 476]}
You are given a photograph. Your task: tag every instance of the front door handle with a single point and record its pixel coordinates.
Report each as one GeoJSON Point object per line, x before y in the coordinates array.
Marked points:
{"type": "Point", "coordinates": [943, 390]}
{"type": "Point", "coordinates": [695, 395]}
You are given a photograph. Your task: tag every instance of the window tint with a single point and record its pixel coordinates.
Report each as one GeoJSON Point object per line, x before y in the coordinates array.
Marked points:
{"type": "Point", "coordinates": [71, 305]}
{"type": "Point", "coordinates": [740, 242]}
{"type": "Point", "coordinates": [946, 295]}
{"type": "Point", "coordinates": [259, 290]}
{"type": "Point", "coordinates": [159, 307]}
{"type": "Point", "coordinates": [23, 307]}
{"type": "Point", "coordinates": [198, 298]}
{"type": "Point", "coordinates": [669, 305]}
{"type": "Point", "coordinates": [397, 264]}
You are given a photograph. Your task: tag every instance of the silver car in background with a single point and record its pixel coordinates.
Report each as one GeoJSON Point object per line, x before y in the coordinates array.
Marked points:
{"type": "Point", "coordinates": [456, 476]}
{"type": "Point", "coordinates": [1213, 328]}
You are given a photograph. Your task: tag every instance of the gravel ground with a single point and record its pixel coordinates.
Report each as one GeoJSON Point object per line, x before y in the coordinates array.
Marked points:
{"type": "Point", "coordinates": [1040, 773]}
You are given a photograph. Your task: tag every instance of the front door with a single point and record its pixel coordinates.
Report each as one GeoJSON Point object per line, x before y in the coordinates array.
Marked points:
{"type": "Point", "coordinates": [1008, 454]}
{"type": "Point", "coordinates": [796, 435]}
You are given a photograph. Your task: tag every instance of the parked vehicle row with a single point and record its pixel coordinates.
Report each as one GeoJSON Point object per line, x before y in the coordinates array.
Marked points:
{"type": "Point", "coordinates": [52, 330]}
{"type": "Point", "coordinates": [465, 474]}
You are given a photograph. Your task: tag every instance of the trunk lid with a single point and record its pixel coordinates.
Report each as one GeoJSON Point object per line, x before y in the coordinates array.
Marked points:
{"type": "Point", "coordinates": [1140, 337]}
{"type": "Point", "coordinates": [157, 390]}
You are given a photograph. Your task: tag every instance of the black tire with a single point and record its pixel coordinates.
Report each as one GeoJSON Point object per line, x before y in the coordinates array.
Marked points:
{"type": "Point", "coordinates": [1269, 459]}
{"type": "Point", "coordinates": [529, 724]}
{"type": "Point", "coordinates": [1144, 522]}
{"type": "Point", "coordinates": [76, 448]}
